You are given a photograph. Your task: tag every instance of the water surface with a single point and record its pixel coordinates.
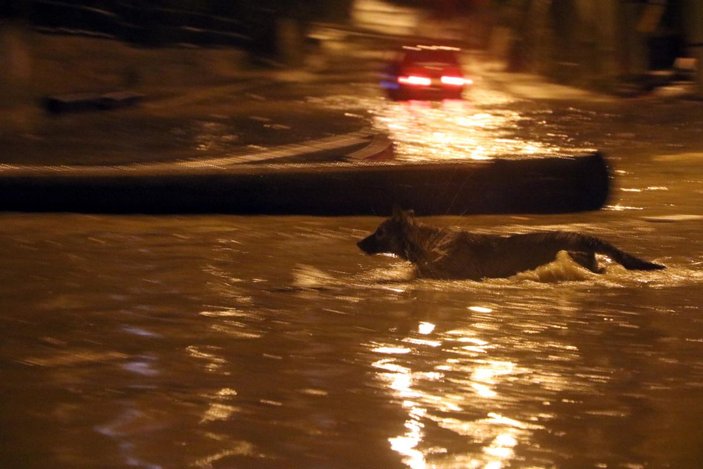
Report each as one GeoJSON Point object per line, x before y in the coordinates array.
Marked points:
{"type": "Point", "coordinates": [273, 342]}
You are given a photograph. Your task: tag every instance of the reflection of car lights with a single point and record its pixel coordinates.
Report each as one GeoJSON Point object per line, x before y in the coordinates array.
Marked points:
{"type": "Point", "coordinates": [415, 80]}
{"type": "Point", "coordinates": [454, 81]}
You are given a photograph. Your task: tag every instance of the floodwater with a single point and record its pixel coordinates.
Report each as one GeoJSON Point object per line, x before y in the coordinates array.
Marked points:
{"type": "Point", "coordinates": [273, 342]}
{"type": "Point", "coordinates": [225, 341]}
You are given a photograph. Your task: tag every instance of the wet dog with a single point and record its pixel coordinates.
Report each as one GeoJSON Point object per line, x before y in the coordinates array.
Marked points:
{"type": "Point", "coordinates": [451, 254]}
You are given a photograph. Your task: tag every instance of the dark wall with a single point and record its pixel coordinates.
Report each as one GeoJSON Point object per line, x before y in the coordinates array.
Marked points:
{"type": "Point", "coordinates": [166, 22]}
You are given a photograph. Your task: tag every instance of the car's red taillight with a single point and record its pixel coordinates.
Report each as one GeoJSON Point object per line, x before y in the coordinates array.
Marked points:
{"type": "Point", "coordinates": [453, 81]}
{"type": "Point", "coordinates": [414, 80]}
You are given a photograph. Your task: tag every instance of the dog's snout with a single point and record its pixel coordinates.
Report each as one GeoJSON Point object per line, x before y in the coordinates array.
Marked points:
{"type": "Point", "coordinates": [366, 245]}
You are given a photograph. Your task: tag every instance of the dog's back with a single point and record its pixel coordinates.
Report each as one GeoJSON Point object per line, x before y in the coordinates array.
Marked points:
{"type": "Point", "coordinates": [465, 255]}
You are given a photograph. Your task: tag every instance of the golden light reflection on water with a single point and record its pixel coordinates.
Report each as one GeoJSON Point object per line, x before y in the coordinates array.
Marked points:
{"type": "Point", "coordinates": [447, 396]}
{"type": "Point", "coordinates": [456, 130]}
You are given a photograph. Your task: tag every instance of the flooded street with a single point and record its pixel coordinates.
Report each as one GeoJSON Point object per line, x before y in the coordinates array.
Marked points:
{"type": "Point", "coordinates": [273, 342]}
{"type": "Point", "coordinates": [225, 341]}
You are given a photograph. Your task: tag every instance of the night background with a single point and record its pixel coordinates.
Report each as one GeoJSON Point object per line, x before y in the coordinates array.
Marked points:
{"type": "Point", "coordinates": [184, 184]}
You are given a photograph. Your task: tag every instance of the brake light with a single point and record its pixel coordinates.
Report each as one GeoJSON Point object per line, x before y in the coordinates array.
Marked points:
{"type": "Point", "coordinates": [415, 80]}
{"type": "Point", "coordinates": [453, 81]}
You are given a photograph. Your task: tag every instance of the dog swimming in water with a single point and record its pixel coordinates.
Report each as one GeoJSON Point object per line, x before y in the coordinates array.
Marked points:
{"type": "Point", "coordinates": [444, 253]}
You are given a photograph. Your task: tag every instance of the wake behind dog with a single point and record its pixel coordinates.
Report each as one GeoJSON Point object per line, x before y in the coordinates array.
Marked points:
{"type": "Point", "coordinates": [442, 253]}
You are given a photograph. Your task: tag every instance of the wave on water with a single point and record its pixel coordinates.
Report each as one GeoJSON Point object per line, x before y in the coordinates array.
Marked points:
{"type": "Point", "coordinates": [307, 277]}
{"type": "Point", "coordinates": [562, 269]}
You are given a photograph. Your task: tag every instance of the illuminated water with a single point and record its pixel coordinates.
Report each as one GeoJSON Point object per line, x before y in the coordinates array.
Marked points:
{"type": "Point", "coordinates": [222, 341]}
{"type": "Point", "coordinates": [273, 342]}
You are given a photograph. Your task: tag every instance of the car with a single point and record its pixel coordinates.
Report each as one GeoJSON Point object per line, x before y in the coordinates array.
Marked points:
{"type": "Point", "coordinates": [425, 72]}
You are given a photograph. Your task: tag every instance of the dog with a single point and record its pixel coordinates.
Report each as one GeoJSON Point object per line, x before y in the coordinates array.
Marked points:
{"type": "Point", "coordinates": [443, 253]}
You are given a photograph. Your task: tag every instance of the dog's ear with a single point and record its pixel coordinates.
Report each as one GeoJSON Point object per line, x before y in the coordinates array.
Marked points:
{"type": "Point", "coordinates": [408, 217]}
{"type": "Point", "coordinates": [404, 216]}
{"type": "Point", "coordinates": [397, 212]}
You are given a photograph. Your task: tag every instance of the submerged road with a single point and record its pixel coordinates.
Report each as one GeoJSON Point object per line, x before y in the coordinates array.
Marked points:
{"type": "Point", "coordinates": [272, 341]}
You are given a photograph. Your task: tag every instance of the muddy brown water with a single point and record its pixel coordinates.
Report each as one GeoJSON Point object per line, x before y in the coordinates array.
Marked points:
{"type": "Point", "coordinates": [273, 342]}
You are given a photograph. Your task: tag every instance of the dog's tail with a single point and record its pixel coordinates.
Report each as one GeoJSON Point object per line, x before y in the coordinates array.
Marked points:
{"type": "Point", "coordinates": [628, 261]}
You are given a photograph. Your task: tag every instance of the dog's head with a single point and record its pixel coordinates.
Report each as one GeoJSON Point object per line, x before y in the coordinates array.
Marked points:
{"type": "Point", "coordinates": [391, 236]}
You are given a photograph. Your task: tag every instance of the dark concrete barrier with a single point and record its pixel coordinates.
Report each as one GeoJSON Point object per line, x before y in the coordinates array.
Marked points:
{"type": "Point", "coordinates": [541, 185]}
